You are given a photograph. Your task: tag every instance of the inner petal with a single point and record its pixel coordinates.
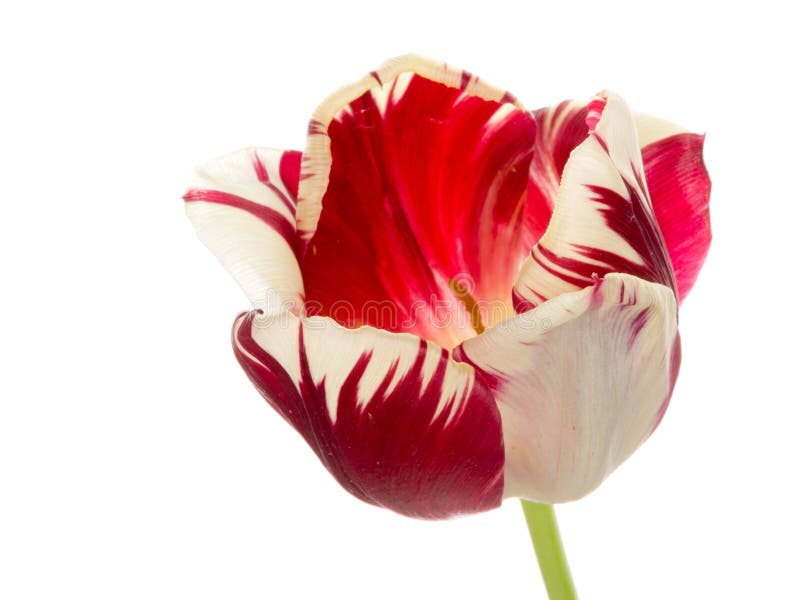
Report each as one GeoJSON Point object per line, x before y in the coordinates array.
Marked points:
{"type": "Point", "coordinates": [420, 229]}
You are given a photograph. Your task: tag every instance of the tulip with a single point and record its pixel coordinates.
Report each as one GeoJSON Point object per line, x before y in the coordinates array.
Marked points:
{"type": "Point", "coordinates": [455, 300]}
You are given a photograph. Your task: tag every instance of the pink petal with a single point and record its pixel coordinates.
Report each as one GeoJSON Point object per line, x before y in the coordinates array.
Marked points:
{"type": "Point", "coordinates": [603, 221]}
{"type": "Point", "coordinates": [397, 422]}
{"type": "Point", "coordinates": [581, 382]}
{"type": "Point", "coordinates": [680, 188]}
{"type": "Point", "coordinates": [411, 193]}
{"type": "Point", "coordinates": [243, 207]}
{"type": "Point", "coordinates": [673, 170]}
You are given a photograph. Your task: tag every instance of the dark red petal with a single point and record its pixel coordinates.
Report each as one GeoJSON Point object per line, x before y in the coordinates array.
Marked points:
{"type": "Point", "coordinates": [396, 421]}
{"type": "Point", "coordinates": [424, 196]}
{"type": "Point", "coordinates": [680, 188]}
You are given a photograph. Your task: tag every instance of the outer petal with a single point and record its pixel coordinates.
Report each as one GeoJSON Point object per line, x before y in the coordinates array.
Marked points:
{"type": "Point", "coordinates": [680, 188]}
{"type": "Point", "coordinates": [397, 422]}
{"type": "Point", "coordinates": [412, 191]}
{"type": "Point", "coordinates": [581, 382]}
{"type": "Point", "coordinates": [673, 170]}
{"type": "Point", "coordinates": [243, 207]}
{"type": "Point", "coordinates": [603, 220]}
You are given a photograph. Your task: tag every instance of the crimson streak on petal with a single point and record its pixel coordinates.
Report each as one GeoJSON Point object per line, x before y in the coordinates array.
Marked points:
{"type": "Point", "coordinates": [414, 445]}
{"type": "Point", "coordinates": [263, 177]}
{"type": "Point", "coordinates": [268, 215]}
{"type": "Point", "coordinates": [631, 219]}
{"type": "Point", "coordinates": [289, 169]}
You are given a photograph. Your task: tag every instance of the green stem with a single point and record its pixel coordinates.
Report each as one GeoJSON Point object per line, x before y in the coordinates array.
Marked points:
{"type": "Point", "coordinates": [543, 528]}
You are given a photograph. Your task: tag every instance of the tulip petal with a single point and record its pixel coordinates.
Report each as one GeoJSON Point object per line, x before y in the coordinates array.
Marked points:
{"type": "Point", "coordinates": [559, 129]}
{"type": "Point", "coordinates": [581, 382]}
{"type": "Point", "coordinates": [676, 178]}
{"type": "Point", "coordinates": [397, 422]}
{"type": "Point", "coordinates": [243, 208]}
{"type": "Point", "coordinates": [680, 188]}
{"type": "Point", "coordinates": [421, 169]}
{"type": "Point", "coordinates": [603, 220]}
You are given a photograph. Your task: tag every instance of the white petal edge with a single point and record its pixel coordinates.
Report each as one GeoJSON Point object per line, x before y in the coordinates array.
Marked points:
{"type": "Point", "coordinates": [254, 253]}
{"type": "Point", "coordinates": [317, 156]}
{"type": "Point", "coordinates": [333, 350]}
{"type": "Point", "coordinates": [652, 129]}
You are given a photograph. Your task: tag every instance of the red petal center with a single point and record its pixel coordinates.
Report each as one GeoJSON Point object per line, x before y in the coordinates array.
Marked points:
{"type": "Point", "coordinates": [421, 220]}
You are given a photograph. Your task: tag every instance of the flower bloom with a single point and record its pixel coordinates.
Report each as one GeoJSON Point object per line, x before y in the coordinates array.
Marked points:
{"type": "Point", "coordinates": [456, 300]}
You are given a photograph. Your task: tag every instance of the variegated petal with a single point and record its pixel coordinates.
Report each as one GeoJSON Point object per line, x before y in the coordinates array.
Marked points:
{"type": "Point", "coordinates": [581, 382]}
{"type": "Point", "coordinates": [243, 208]}
{"type": "Point", "coordinates": [392, 417]}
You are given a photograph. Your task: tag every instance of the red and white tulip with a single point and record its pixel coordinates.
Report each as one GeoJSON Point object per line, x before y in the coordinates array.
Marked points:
{"type": "Point", "coordinates": [456, 300]}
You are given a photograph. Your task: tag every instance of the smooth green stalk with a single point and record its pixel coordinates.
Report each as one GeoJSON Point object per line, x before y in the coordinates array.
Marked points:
{"type": "Point", "coordinates": [543, 528]}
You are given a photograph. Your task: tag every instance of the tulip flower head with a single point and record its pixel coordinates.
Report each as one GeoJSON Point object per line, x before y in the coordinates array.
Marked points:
{"type": "Point", "coordinates": [456, 300]}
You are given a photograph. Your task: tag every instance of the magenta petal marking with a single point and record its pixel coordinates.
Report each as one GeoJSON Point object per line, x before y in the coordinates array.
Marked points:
{"type": "Point", "coordinates": [290, 172]}
{"type": "Point", "coordinates": [521, 304]}
{"type": "Point", "coordinates": [594, 111]}
{"type": "Point", "coordinates": [634, 223]}
{"type": "Point", "coordinates": [263, 177]}
{"type": "Point", "coordinates": [583, 271]}
{"type": "Point", "coordinates": [680, 188]}
{"type": "Point", "coordinates": [637, 324]}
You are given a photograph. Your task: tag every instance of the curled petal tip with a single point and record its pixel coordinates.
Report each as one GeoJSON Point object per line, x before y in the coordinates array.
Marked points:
{"type": "Point", "coordinates": [594, 111]}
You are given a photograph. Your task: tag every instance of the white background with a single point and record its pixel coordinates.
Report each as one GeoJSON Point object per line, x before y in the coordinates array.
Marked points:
{"type": "Point", "coordinates": [136, 461]}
